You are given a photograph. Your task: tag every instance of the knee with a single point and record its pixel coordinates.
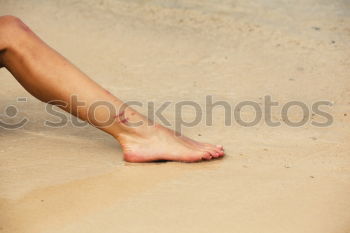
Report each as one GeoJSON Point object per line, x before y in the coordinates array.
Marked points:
{"type": "Point", "coordinates": [11, 28]}
{"type": "Point", "coordinates": [10, 22]}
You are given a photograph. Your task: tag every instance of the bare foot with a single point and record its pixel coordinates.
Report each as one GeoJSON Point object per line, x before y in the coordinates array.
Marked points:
{"type": "Point", "coordinates": [152, 143]}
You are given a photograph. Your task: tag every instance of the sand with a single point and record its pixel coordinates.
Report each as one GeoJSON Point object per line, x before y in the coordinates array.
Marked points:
{"type": "Point", "coordinates": [273, 179]}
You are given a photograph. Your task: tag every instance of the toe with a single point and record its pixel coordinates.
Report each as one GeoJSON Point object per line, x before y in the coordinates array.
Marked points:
{"type": "Point", "coordinates": [207, 156]}
{"type": "Point", "coordinates": [211, 152]}
{"type": "Point", "coordinates": [217, 153]}
{"type": "Point", "coordinates": [216, 150]}
{"type": "Point", "coordinates": [214, 153]}
{"type": "Point", "coordinates": [220, 148]}
{"type": "Point", "coordinates": [221, 151]}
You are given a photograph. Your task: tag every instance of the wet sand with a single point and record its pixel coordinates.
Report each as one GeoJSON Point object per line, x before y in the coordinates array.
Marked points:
{"type": "Point", "coordinates": [273, 179]}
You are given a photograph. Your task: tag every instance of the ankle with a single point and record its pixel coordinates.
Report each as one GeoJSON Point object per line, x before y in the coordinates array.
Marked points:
{"type": "Point", "coordinates": [127, 130]}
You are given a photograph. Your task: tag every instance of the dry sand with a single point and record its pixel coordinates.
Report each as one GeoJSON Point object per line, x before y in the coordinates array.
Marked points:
{"type": "Point", "coordinates": [272, 180]}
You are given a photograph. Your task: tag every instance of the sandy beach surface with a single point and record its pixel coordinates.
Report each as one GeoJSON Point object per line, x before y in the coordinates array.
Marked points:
{"type": "Point", "coordinates": [272, 180]}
